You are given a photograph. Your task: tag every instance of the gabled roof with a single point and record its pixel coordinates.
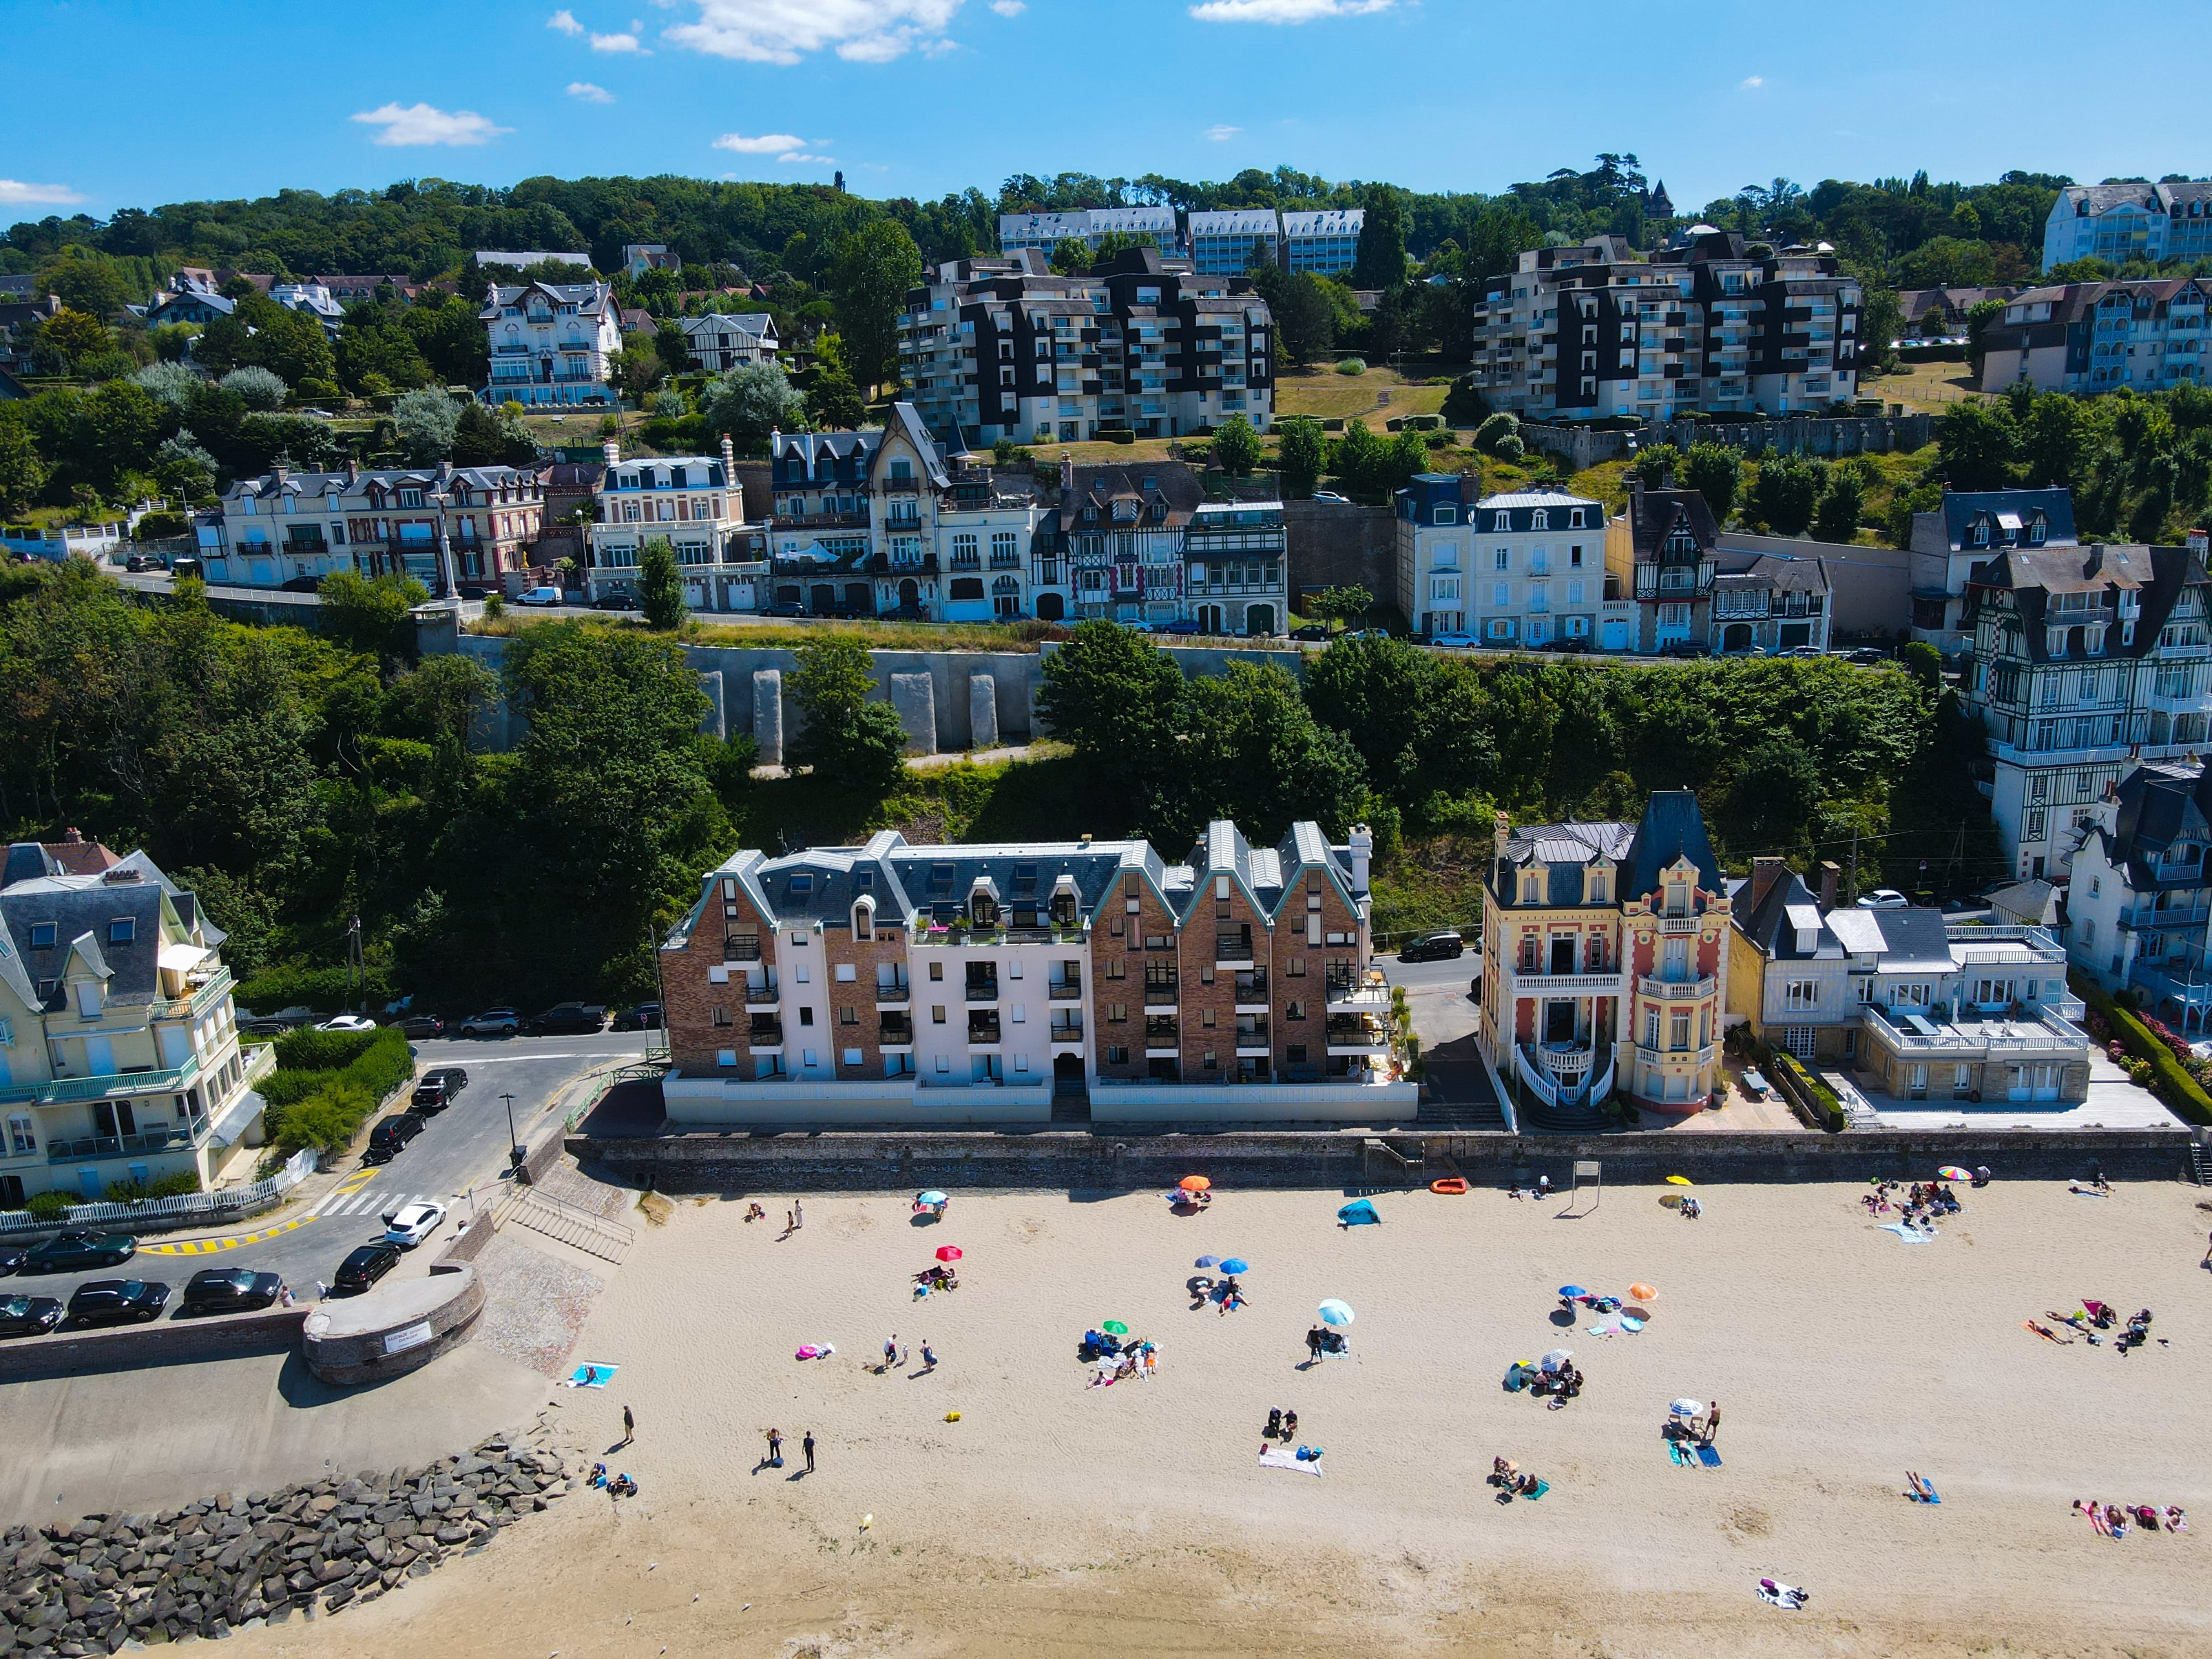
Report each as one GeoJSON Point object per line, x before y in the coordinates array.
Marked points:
{"type": "Point", "coordinates": [1776, 572]}
{"type": "Point", "coordinates": [1565, 850]}
{"type": "Point", "coordinates": [1778, 922]}
{"type": "Point", "coordinates": [1654, 515]}
{"type": "Point", "coordinates": [1133, 489]}
{"type": "Point", "coordinates": [908, 421]}
{"type": "Point", "coordinates": [758, 324]}
{"type": "Point", "coordinates": [1673, 828]}
{"type": "Point", "coordinates": [2158, 574]}
{"type": "Point", "coordinates": [590, 299]}
{"type": "Point", "coordinates": [1963, 507]}
{"type": "Point", "coordinates": [2160, 804]}
{"type": "Point", "coordinates": [81, 910]}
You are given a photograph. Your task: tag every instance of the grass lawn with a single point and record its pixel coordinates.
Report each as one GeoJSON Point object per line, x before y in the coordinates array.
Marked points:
{"type": "Point", "coordinates": [1923, 388]}
{"type": "Point", "coordinates": [1375, 397]}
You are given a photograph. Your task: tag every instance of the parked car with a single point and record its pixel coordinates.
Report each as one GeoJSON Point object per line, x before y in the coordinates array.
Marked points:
{"type": "Point", "coordinates": [411, 1224]}
{"type": "Point", "coordinates": [386, 1139]}
{"type": "Point", "coordinates": [1682, 648]}
{"type": "Point", "coordinates": [1865, 656]}
{"type": "Point", "coordinates": [67, 1252]}
{"type": "Point", "coordinates": [540, 595]}
{"type": "Point", "coordinates": [1185, 626]}
{"type": "Point", "coordinates": [228, 1290]}
{"type": "Point", "coordinates": [568, 1019]}
{"type": "Point", "coordinates": [646, 1017]}
{"type": "Point", "coordinates": [1311, 631]}
{"type": "Point", "coordinates": [283, 1020]}
{"type": "Point", "coordinates": [493, 1022]}
{"type": "Point", "coordinates": [347, 1023]}
{"type": "Point", "coordinates": [29, 1316]}
{"type": "Point", "coordinates": [1331, 496]}
{"type": "Point", "coordinates": [1884, 898]}
{"type": "Point", "coordinates": [1441, 946]}
{"type": "Point", "coordinates": [452, 1076]}
{"type": "Point", "coordinates": [12, 1257]}
{"type": "Point", "coordinates": [1455, 641]}
{"type": "Point", "coordinates": [365, 1266]}
{"type": "Point", "coordinates": [420, 1025]}
{"type": "Point", "coordinates": [1801, 651]}
{"type": "Point", "coordinates": [118, 1301]}
{"type": "Point", "coordinates": [135, 562]}
{"type": "Point", "coordinates": [1569, 643]}
{"type": "Point", "coordinates": [618, 600]}
{"type": "Point", "coordinates": [429, 1097]}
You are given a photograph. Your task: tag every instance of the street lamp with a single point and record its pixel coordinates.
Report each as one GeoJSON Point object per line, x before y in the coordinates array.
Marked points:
{"type": "Point", "coordinates": [514, 1153]}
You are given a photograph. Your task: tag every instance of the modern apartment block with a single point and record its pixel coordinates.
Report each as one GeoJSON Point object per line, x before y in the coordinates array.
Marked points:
{"type": "Point", "coordinates": [1325, 242]}
{"type": "Point", "coordinates": [445, 526]}
{"type": "Point", "coordinates": [1605, 959]}
{"type": "Point", "coordinates": [2140, 899]}
{"type": "Point", "coordinates": [2085, 661]}
{"type": "Point", "coordinates": [1595, 330]}
{"type": "Point", "coordinates": [1002, 348]}
{"type": "Point", "coordinates": [550, 341]}
{"type": "Point", "coordinates": [1090, 226]}
{"type": "Point", "coordinates": [1231, 242]}
{"type": "Point", "coordinates": [2119, 222]}
{"type": "Point", "coordinates": [119, 1060]}
{"type": "Point", "coordinates": [1916, 1008]}
{"type": "Point", "coordinates": [887, 983]}
{"type": "Point", "coordinates": [2088, 337]}
{"type": "Point", "coordinates": [1968, 529]}
{"type": "Point", "coordinates": [694, 504]}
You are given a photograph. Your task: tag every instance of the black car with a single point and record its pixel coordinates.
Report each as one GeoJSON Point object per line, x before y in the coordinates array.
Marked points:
{"type": "Point", "coordinates": [1434, 947]}
{"type": "Point", "coordinates": [568, 1019]}
{"type": "Point", "coordinates": [28, 1315]}
{"type": "Point", "coordinates": [1311, 631]}
{"type": "Point", "coordinates": [118, 1301]}
{"type": "Point", "coordinates": [618, 600]}
{"type": "Point", "coordinates": [225, 1289]}
{"type": "Point", "coordinates": [646, 1017]}
{"type": "Point", "coordinates": [364, 1268]}
{"type": "Point", "coordinates": [1866, 657]}
{"type": "Point", "coordinates": [420, 1025]}
{"type": "Point", "coordinates": [429, 1097]}
{"type": "Point", "coordinates": [12, 1256]}
{"type": "Point", "coordinates": [73, 1252]}
{"type": "Point", "coordinates": [1568, 643]}
{"type": "Point", "coordinates": [388, 1137]}
{"type": "Point", "coordinates": [1682, 648]}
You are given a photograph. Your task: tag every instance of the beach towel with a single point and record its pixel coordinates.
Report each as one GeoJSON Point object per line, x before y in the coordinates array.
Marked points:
{"type": "Point", "coordinates": [814, 1350]}
{"type": "Point", "coordinates": [1358, 1213]}
{"type": "Point", "coordinates": [591, 1377]}
{"type": "Point", "coordinates": [1599, 1329]}
{"type": "Point", "coordinates": [1675, 1454]}
{"type": "Point", "coordinates": [1927, 1495]}
{"type": "Point", "coordinates": [1781, 1596]}
{"type": "Point", "coordinates": [1275, 1457]}
{"type": "Point", "coordinates": [1910, 1235]}
{"type": "Point", "coordinates": [1708, 1457]}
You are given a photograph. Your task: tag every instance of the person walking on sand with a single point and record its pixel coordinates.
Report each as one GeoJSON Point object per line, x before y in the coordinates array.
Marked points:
{"type": "Point", "coordinates": [1313, 1345]}
{"type": "Point", "coordinates": [1712, 1423]}
{"type": "Point", "coordinates": [629, 1426]}
{"type": "Point", "coordinates": [890, 1351]}
{"type": "Point", "coordinates": [774, 1459]}
{"type": "Point", "coordinates": [798, 1215]}
{"type": "Point", "coordinates": [928, 1358]}
{"type": "Point", "coordinates": [807, 1446]}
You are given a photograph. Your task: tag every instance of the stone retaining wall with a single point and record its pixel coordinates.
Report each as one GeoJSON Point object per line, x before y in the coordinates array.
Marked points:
{"type": "Point", "coordinates": [394, 1328]}
{"type": "Point", "coordinates": [165, 1342]}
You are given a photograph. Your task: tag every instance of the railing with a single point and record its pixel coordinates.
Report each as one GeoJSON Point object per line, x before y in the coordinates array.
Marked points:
{"type": "Point", "coordinates": [2144, 915]}
{"type": "Point", "coordinates": [766, 1034]}
{"type": "Point", "coordinates": [1679, 924]}
{"type": "Point", "coordinates": [1159, 1033]}
{"type": "Point", "coordinates": [1673, 989]}
{"type": "Point", "coordinates": [741, 947]}
{"type": "Point", "coordinates": [758, 995]}
{"type": "Point", "coordinates": [1602, 984]}
{"type": "Point", "coordinates": [114, 1085]}
{"type": "Point", "coordinates": [983, 1028]}
{"type": "Point", "coordinates": [1067, 1030]}
{"type": "Point", "coordinates": [151, 1140]}
{"type": "Point", "coordinates": [196, 1002]}
{"type": "Point", "coordinates": [982, 990]}
{"type": "Point", "coordinates": [897, 1030]}
{"type": "Point", "coordinates": [1373, 994]}
{"type": "Point", "coordinates": [1064, 991]}
{"type": "Point", "coordinates": [898, 991]}
{"type": "Point", "coordinates": [186, 1210]}
{"type": "Point", "coordinates": [1252, 985]}
{"type": "Point", "coordinates": [1675, 1056]}
{"type": "Point", "coordinates": [1233, 947]}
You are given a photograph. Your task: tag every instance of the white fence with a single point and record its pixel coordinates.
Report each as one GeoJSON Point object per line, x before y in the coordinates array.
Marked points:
{"type": "Point", "coordinates": [159, 1215]}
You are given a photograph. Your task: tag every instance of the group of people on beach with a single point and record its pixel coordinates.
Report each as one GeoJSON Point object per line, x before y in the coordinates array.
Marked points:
{"type": "Point", "coordinates": [2113, 1519]}
{"type": "Point", "coordinates": [1919, 1205]}
{"type": "Point", "coordinates": [1282, 1424]}
{"type": "Point", "coordinates": [1505, 1474]}
{"type": "Point", "coordinates": [2093, 1317]}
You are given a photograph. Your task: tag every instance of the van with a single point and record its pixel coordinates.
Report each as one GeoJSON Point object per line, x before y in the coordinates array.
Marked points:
{"type": "Point", "coordinates": [540, 595]}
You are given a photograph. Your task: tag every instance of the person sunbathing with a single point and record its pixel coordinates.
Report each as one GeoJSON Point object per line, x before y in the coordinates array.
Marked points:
{"type": "Point", "coordinates": [1527, 1486]}
{"type": "Point", "coordinates": [2116, 1519]}
{"type": "Point", "coordinates": [1503, 1469]}
{"type": "Point", "coordinates": [2177, 1518]}
{"type": "Point", "coordinates": [1922, 1490]}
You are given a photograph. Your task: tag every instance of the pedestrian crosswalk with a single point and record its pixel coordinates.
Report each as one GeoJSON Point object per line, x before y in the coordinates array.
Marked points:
{"type": "Point", "coordinates": [369, 1201]}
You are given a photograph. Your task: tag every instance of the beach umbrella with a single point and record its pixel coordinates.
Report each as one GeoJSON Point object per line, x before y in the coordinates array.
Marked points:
{"type": "Point", "coordinates": [1572, 1290]}
{"type": "Point", "coordinates": [1680, 1180]}
{"type": "Point", "coordinates": [1334, 1312]}
{"type": "Point", "coordinates": [1114, 1328]}
{"type": "Point", "coordinates": [1556, 1358]}
{"type": "Point", "coordinates": [1193, 1183]}
{"type": "Point", "coordinates": [1953, 1172]}
{"type": "Point", "coordinates": [1208, 1261]}
{"type": "Point", "coordinates": [1686, 1408]}
{"type": "Point", "coordinates": [930, 1197]}
{"type": "Point", "coordinates": [1631, 1324]}
{"type": "Point", "coordinates": [1642, 1293]}
{"type": "Point", "coordinates": [948, 1253]}
{"type": "Point", "coordinates": [1237, 1264]}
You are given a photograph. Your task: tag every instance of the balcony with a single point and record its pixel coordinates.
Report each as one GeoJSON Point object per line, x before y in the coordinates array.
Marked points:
{"type": "Point", "coordinates": [983, 990]}
{"type": "Point", "coordinates": [983, 1031]}
{"type": "Point", "coordinates": [898, 1031]}
{"type": "Point", "coordinates": [763, 996]}
{"type": "Point", "coordinates": [1232, 948]}
{"type": "Point", "coordinates": [151, 1140]}
{"type": "Point", "coordinates": [1600, 984]}
{"type": "Point", "coordinates": [2141, 917]}
{"type": "Point", "coordinates": [741, 947]}
{"type": "Point", "coordinates": [1066, 1033]}
{"type": "Point", "coordinates": [1252, 991]}
{"type": "Point", "coordinates": [196, 1002]}
{"type": "Point", "coordinates": [1359, 996]}
{"type": "Point", "coordinates": [766, 1033]}
{"type": "Point", "coordinates": [1251, 1038]}
{"type": "Point", "coordinates": [1679, 924]}
{"type": "Point", "coordinates": [1163, 1037]}
{"type": "Point", "coordinates": [1358, 1034]}
{"type": "Point", "coordinates": [117, 1085]}
{"type": "Point", "coordinates": [897, 994]}
{"type": "Point", "coordinates": [1675, 1056]}
{"type": "Point", "coordinates": [1161, 995]}
{"type": "Point", "coordinates": [1674, 990]}
{"type": "Point", "coordinates": [1064, 990]}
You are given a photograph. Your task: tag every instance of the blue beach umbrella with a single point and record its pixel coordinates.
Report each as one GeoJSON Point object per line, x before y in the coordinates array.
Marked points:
{"type": "Point", "coordinates": [1237, 1264]}
{"type": "Point", "coordinates": [1334, 1312]}
{"type": "Point", "coordinates": [1572, 1290]}
{"type": "Point", "coordinates": [1208, 1261]}
{"type": "Point", "coordinates": [933, 1196]}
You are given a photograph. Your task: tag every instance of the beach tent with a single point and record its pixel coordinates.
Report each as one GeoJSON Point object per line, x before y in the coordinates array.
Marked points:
{"type": "Point", "coordinates": [1358, 1213]}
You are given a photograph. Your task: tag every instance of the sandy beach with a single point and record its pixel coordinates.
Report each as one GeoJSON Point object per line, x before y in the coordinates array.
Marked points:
{"type": "Point", "coordinates": [1054, 1519]}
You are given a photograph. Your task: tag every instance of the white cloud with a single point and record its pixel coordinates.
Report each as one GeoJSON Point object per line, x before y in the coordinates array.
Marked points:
{"type": "Point", "coordinates": [1752, 82]}
{"type": "Point", "coordinates": [1284, 11]}
{"type": "Point", "coordinates": [565, 21]}
{"type": "Point", "coordinates": [590, 94]}
{"type": "Point", "coordinates": [14, 192]}
{"type": "Point", "coordinates": [1223, 134]}
{"type": "Point", "coordinates": [801, 156]}
{"type": "Point", "coordinates": [422, 124]}
{"type": "Point", "coordinates": [616, 42]}
{"type": "Point", "coordinates": [773, 143]}
{"type": "Point", "coordinates": [1008, 8]}
{"type": "Point", "coordinates": [785, 31]}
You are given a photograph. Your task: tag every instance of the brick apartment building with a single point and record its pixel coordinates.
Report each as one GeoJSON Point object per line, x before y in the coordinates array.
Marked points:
{"type": "Point", "coordinates": [888, 983]}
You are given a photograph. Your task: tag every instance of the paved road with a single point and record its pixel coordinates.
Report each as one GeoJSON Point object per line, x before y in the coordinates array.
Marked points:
{"type": "Point", "coordinates": [466, 1143]}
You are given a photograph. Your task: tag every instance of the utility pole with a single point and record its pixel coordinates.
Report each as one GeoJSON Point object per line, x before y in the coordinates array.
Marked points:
{"type": "Point", "coordinates": [1851, 887]}
{"type": "Point", "coordinates": [514, 1153]}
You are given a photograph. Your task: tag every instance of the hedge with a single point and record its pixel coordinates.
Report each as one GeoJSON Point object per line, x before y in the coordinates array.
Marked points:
{"type": "Point", "coordinates": [2169, 1082]}
{"type": "Point", "coordinates": [1810, 1090]}
{"type": "Point", "coordinates": [328, 1084]}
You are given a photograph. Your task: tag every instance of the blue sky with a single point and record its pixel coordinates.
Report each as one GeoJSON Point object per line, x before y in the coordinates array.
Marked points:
{"type": "Point", "coordinates": [119, 105]}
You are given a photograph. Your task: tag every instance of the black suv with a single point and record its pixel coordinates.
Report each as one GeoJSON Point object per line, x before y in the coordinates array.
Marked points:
{"type": "Point", "coordinates": [1434, 947]}
{"type": "Point", "coordinates": [114, 1301]}
{"type": "Point", "coordinates": [437, 1089]}
{"type": "Point", "coordinates": [365, 1266]}
{"type": "Point", "coordinates": [646, 1017]}
{"type": "Point", "coordinates": [225, 1290]}
{"type": "Point", "coordinates": [568, 1019]}
{"type": "Point", "coordinates": [388, 1137]}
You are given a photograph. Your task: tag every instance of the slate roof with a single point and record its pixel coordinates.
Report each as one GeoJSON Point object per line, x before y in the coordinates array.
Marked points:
{"type": "Point", "coordinates": [2160, 803]}
{"type": "Point", "coordinates": [1565, 850]}
{"type": "Point", "coordinates": [1672, 828]}
{"type": "Point", "coordinates": [1234, 222]}
{"type": "Point", "coordinates": [1913, 937]}
{"type": "Point", "coordinates": [307, 486]}
{"type": "Point", "coordinates": [1962, 506]}
{"type": "Point", "coordinates": [82, 910]}
{"type": "Point", "coordinates": [1653, 515]}
{"type": "Point", "coordinates": [1774, 923]}
{"type": "Point", "coordinates": [2031, 575]}
{"type": "Point", "coordinates": [590, 299]}
{"type": "Point", "coordinates": [1123, 494]}
{"type": "Point", "coordinates": [2155, 199]}
{"type": "Point", "coordinates": [1777, 573]}
{"type": "Point", "coordinates": [1326, 221]}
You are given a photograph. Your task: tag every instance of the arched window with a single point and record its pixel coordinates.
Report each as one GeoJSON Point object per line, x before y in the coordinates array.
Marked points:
{"type": "Point", "coordinates": [982, 909]}
{"type": "Point", "coordinates": [864, 918]}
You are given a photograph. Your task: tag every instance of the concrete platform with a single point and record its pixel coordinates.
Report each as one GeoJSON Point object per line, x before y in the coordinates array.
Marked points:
{"type": "Point", "coordinates": [2113, 1103]}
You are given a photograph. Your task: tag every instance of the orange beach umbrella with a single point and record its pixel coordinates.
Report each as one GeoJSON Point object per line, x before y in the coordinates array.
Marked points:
{"type": "Point", "coordinates": [1195, 1183]}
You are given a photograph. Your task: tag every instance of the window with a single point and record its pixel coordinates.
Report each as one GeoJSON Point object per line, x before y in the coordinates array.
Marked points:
{"type": "Point", "coordinates": [1800, 993]}
{"type": "Point", "coordinates": [937, 970]}
{"type": "Point", "coordinates": [121, 929]}
{"type": "Point", "coordinates": [1445, 514]}
{"type": "Point", "coordinates": [42, 935]}
{"type": "Point", "coordinates": [1116, 1055]}
{"type": "Point", "coordinates": [846, 973]}
{"type": "Point", "coordinates": [845, 1017]}
{"type": "Point", "coordinates": [1296, 969]}
{"type": "Point", "coordinates": [937, 1013]}
{"type": "Point", "coordinates": [1678, 1030]}
{"type": "Point", "coordinates": [1501, 558]}
{"type": "Point", "coordinates": [806, 1017]}
{"type": "Point", "coordinates": [722, 1016]}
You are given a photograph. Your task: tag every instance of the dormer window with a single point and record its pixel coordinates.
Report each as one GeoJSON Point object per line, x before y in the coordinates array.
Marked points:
{"type": "Point", "coordinates": [1601, 886]}
{"type": "Point", "coordinates": [1532, 886]}
{"type": "Point", "coordinates": [411, 498]}
{"type": "Point", "coordinates": [1505, 521]}
{"type": "Point", "coordinates": [121, 930]}
{"type": "Point", "coordinates": [802, 886]}
{"type": "Point", "coordinates": [1678, 898]}
{"type": "Point", "coordinates": [1575, 518]}
{"type": "Point", "coordinates": [2037, 530]}
{"type": "Point", "coordinates": [1981, 533]}
{"type": "Point", "coordinates": [1539, 520]}
{"type": "Point", "coordinates": [42, 935]}
{"type": "Point", "coordinates": [864, 918]}
{"type": "Point", "coordinates": [1444, 515]}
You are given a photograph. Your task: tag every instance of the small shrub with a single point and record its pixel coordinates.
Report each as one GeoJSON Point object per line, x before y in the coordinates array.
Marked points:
{"type": "Point", "coordinates": [175, 1184]}
{"type": "Point", "coordinates": [49, 1205]}
{"type": "Point", "coordinates": [495, 607]}
{"type": "Point", "coordinates": [324, 1090]}
{"type": "Point", "coordinates": [1351, 365]}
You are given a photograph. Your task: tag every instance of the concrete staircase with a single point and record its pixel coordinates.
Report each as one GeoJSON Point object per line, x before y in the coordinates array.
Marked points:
{"type": "Point", "coordinates": [594, 1235]}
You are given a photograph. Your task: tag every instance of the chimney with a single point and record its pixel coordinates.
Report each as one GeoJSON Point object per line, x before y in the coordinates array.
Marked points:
{"type": "Point", "coordinates": [353, 471]}
{"type": "Point", "coordinates": [446, 471]}
{"type": "Point", "coordinates": [1764, 873]}
{"type": "Point", "coordinates": [1067, 473]}
{"type": "Point", "coordinates": [278, 473]}
{"type": "Point", "coordinates": [611, 452]}
{"type": "Point", "coordinates": [1501, 830]}
{"type": "Point", "coordinates": [1362, 851]}
{"type": "Point", "coordinates": [72, 836]}
{"type": "Point", "coordinates": [1831, 873]}
{"type": "Point", "coordinates": [729, 461]}
{"type": "Point", "coordinates": [2197, 543]}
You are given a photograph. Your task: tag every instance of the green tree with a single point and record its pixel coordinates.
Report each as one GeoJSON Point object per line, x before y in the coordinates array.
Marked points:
{"type": "Point", "coordinates": [834, 403]}
{"type": "Point", "coordinates": [1772, 796]}
{"type": "Point", "coordinates": [1785, 493]}
{"type": "Point", "coordinates": [2058, 441]}
{"type": "Point", "coordinates": [1381, 258]}
{"type": "Point", "coordinates": [751, 401]}
{"type": "Point", "coordinates": [23, 473]}
{"type": "Point", "coordinates": [1837, 518]}
{"type": "Point", "coordinates": [673, 347]}
{"type": "Point", "coordinates": [1301, 451]}
{"type": "Point", "coordinates": [1116, 697]}
{"type": "Point", "coordinates": [1657, 465]}
{"type": "Point", "coordinates": [1499, 434]}
{"type": "Point", "coordinates": [1071, 255]}
{"type": "Point", "coordinates": [1250, 749]}
{"type": "Point", "coordinates": [847, 740]}
{"type": "Point", "coordinates": [1357, 460]}
{"type": "Point", "coordinates": [1338, 605]}
{"type": "Point", "coordinates": [369, 614]}
{"type": "Point", "coordinates": [451, 338]}
{"type": "Point", "coordinates": [1923, 662]}
{"type": "Point", "coordinates": [1418, 723]}
{"type": "Point", "coordinates": [1715, 472]}
{"type": "Point", "coordinates": [258, 388]}
{"type": "Point", "coordinates": [660, 585]}
{"type": "Point", "coordinates": [1981, 317]}
{"type": "Point", "coordinates": [86, 281]}
{"type": "Point", "coordinates": [1236, 446]}
{"type": "Point", "coordinates": [1305, 319]}
{"type": "Point", "coordinates": [1977, 443]}
{"type": "Point", "coordinates": [873, 271]}
{"type": "Point", "coordinates": [78, 336]}
{"type": "Point", "coordinates": [426, 421]}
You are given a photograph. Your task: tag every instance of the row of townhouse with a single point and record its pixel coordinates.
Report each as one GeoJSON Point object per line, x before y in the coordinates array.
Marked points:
{"type": "Point", "coordinates": [1002, 348]}
{"type": "Point", "coordinates": [2122, 222]}
{"type": "Point", "coordinates": [1916, 1007]}
{"type": "Point", "coordinates": [1595, 329]}
{"type": "Point", "coordinates": [2089, 337]}
{"type": "Point", "coordinates": [1223, 243]}
{"type": "Point", "coordinates": [1545, 569]}
{"type": "Point", "coordinates": [119, 1058]}
{"type": "Point", "coordinates": [968, 983]}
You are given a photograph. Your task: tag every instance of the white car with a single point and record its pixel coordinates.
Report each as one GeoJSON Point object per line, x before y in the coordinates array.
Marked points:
{"type": "Point", "coordinates": [1885, 898]}
{"type": "Point", "coordinates": [1456, 641]}
{"type": "Point", "coordinates": [540, 595]}
{"type": "Point", "coordinates": [411, 1224]}
{"type": "Point", "coordinates": [347, 1023]}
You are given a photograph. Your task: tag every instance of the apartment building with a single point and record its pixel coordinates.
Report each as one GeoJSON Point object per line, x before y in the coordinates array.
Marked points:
{"type": "Point", "coordinates": [1230, 242]}
{"type": "Point", "coordinates": [694, 503]}
{"type": "Point", "coordinates": [2090, 338]}
{"type": "Point", "coordinates": [446, 526]}
{"type": "Point", "coordinates": [721, 341]}
{"type": "Point", "coordinates": [1775, 602]}
{"type": "Point", "coordinates": [2087, 660]}
{"type": "Point", "coordinates": [1325, 242]}
{"type": "Point", "coordinates": [2137, 221]}
{"type": "Point", "coordinates": [1916, 1008]}
{"type": "Point", "coordinates": [1597, 330]}
{"type": "Point", "coordinates": [1940, 313]}
{"type": "Point", "coordinates": [1968, 529]}
{"type": "Point", "coordinates": [965, 984]}
{"type": "Point", "coordinates": [1661, 556]}
{"type": "Point", "coordinates": [1538, 572]}
{"type": "Point", "coordinates": [1236, 569]}
{"type": "Point", "coordinates": [119, 1060]}
{"type": "Point", "coordinates": [1605, 959]}
{"type": "Point", "coordinates": [1002, 348]}
{"type": "Point", "coordinates": [550, 341]}
{"type": "Point", "coordinates": [2140, 899]}
{"type": "Point", "coordinates": [1089, 226]}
